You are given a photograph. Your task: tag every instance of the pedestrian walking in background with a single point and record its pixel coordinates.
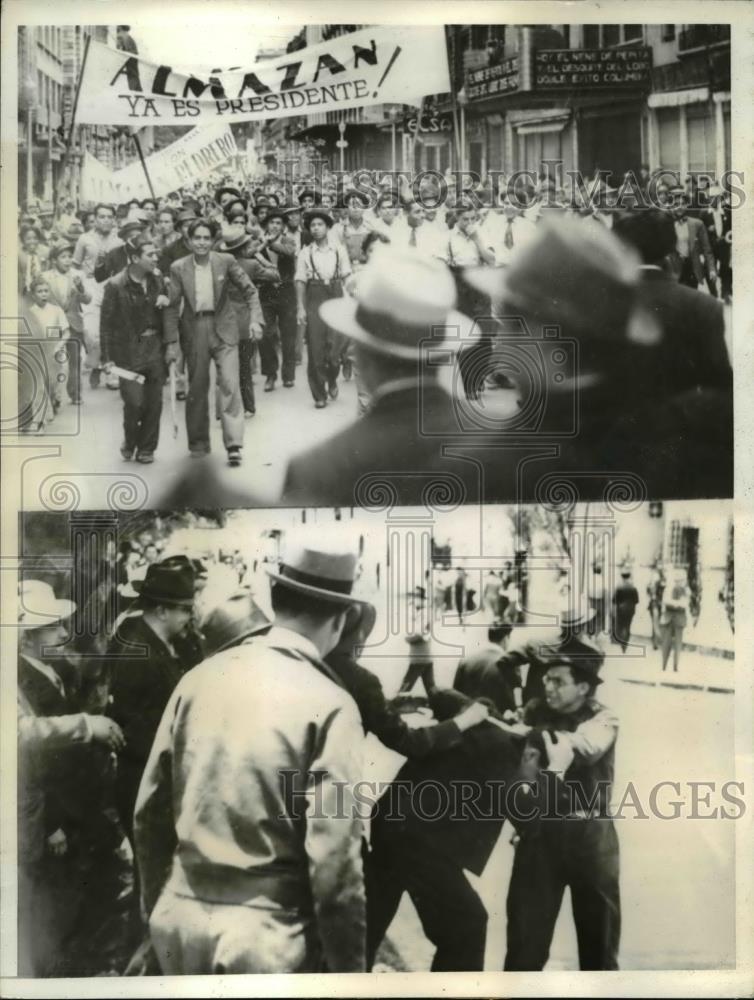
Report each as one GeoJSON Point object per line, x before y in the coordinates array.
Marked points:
{"type": "Point", "coordinates": [674, 616]}
{"type": "Point", "coordinates": [625, 599]}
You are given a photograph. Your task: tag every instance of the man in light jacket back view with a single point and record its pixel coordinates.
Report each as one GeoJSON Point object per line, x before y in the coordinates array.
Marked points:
{"type": "Point", "coordinates": [248, 848]}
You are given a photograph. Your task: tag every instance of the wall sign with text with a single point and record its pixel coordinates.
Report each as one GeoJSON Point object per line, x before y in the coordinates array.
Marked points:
{"type": "Point", "coordinates": [565, 68]}
{"type": "Point", "coordinates": [499, 79]}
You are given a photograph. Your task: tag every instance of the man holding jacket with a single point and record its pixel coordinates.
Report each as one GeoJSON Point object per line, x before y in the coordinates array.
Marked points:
{"type": "Point", "coordinates": [208, 331]}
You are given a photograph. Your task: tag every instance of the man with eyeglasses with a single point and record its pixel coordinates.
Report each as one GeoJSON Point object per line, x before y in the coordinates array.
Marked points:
{"type": "Point", "coordinates": [573, 844]}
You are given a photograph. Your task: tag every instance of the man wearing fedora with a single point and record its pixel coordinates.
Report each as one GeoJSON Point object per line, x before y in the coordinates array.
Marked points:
{"type": "Point", "coordinates": [145, 667]}
{"type": "Point", "coordinates": [322, 271]}
{"type": "Point", "coordinates": [535, 651]}
{"type": "Point", "coordinates": [232, 622]}
{"type": "Point", "coordinates": [50, 733]}
{"type": "Point", "coordinates": [132, 336]}
{"type": "Point", "coordinates": [238, 876]}
{"type": "Point", "coordinates": [203, 317]}
{"type": "Point", "coordinates": [625, 599]}
{"type": "Point", "coordinates": [405, 304]}
{"type": "Point", "coordinates": [575, 843]}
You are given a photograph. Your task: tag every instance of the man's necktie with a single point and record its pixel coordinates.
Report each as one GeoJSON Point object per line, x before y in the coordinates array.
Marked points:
{"type": "Point", "coordinates": [509, 234]}
{"type": "Point", "coordinates": [412, 238]}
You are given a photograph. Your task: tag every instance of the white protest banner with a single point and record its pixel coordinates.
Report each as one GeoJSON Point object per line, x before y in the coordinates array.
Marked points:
{"type": "Point", "coordinates": [370, 66]}
{"type": "Point", "coordinates": [100, 184]}
{"type": "Point", "coordinates": [194, 155]}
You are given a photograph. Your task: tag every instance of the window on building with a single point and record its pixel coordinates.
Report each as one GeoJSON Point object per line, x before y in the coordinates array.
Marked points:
{"type": "Point", "coordinates": [479, 34]}
{"type": "Point", "coordinates": [669, 136]}
{"type": "Point", "coordinates": [668, 33]}
{"type": "Point", "coordinates": [610, 35]}
{"type": "Point", "coordinates": [683, 544]}
{"type": "Point", "coordinates": [591, 36]}
{"type": "Point", "coordinates": [633, 32]}
{"type": "Point", "coordinates": [700, 127]}
{"type": "Point", "coordinates": [497, 32]}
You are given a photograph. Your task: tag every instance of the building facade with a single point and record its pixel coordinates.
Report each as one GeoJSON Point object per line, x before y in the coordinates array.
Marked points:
{"type": "Point", "coordinates": [592, 96]}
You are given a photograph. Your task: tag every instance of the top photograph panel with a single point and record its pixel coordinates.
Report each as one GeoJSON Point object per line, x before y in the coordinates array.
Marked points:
{"type": "Point", "coordinates": [374, 265]}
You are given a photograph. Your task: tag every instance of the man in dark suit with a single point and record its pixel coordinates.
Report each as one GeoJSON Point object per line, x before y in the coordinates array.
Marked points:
{"type": "Point", "coordinates": [397, 445]}
{"type": "Point", "coordinates": [625, 599]}
{"type": "Point", "coordinates": [479, 676]}
{"type": "Point", "coordinates": [52, 737]}
{"type": "Point", "coordinates": [145, 668]}
{"type": "Point", "coordinates": [132, 337]}
{"type": "Point", "coordinates": [692, 350]}
{"type": "Point", "coordinates": [209, 332]}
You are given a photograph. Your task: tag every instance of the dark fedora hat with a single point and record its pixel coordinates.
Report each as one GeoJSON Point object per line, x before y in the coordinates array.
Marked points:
{"type": "Point", "coordinates": [277, 213]}
{"type": "Point", "coordinates": [235, 619]}
{"type": "Point", "coordinates": [130, 228]}
{"type": "Point", "coordinates": [174, 585]}
{"type": "Point", "coordinates": [232, 243]}
{"type": "Point", "coordinates": [318, 213]}
{"type": "Point", "coordinates": [580, 654]}
{"type": "Point", "coordinates": [186, 215]}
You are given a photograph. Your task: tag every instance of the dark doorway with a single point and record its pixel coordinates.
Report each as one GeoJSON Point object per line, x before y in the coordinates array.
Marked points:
{"type": "Point", "coordinates": [611, 142]}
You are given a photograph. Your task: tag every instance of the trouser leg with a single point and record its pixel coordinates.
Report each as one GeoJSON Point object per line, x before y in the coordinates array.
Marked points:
{"type": "Point", "coordinates": [286, 315]}
{"type": "Point", "coordinates": [384, 889]}
{"type": "Point", "coordinates": [197, 356]}
{"type": "Point", "coordinates": [151, 410]}
{"type": "Point", "coordinates": [245, 353]}
{"type": "Point", "coordinates": [595, 893]}
{"type": "Point", "coordinates": [74, 347]}
{"type": "Point", "coordinates": [132, 394]}
{"type": "Point", "coordinates": [666, 635]}
{"type": "Point", "coordinates": [677, 643]}
{"type": "Point", "coordinates": [534, 897]}
{"type": "Point", "coordinates": [316, 370]}
{"type": "Point", "coordinates": [268, 352]}
{"type": "Point", "coordinates": [229, 391]}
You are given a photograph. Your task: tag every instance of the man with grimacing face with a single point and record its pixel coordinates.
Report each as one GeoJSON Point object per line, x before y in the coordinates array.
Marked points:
{"type": "Point", "coordinates": [202, 316]}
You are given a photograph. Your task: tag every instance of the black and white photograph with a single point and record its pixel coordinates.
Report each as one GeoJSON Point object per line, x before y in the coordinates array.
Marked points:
{"type": "Point", "coordinates": [523, 273]}
{"type": "Point", "coordinates": [420, 683]}
{"type": "Point", "coordinates": [377, 445]}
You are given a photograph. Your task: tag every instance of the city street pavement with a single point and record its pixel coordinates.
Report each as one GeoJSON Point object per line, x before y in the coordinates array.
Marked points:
{"type": "Point", "coordinates": [677, 875]}
{"type": "Point", "coordinates": [285, 423]}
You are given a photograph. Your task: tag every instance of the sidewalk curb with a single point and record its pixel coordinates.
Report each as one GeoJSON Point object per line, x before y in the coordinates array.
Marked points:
{"type": "Point", "coordinates": [679, 685]}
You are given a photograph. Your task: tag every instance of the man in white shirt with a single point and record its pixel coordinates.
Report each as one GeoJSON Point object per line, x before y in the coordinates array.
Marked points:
{"type": "Point", "coordinates": [415, 234]}
{"type": "Point", "coordinates": [322, 271]}
{"type": "Point", "coordinates": [91, 250]}
{"type": "Point", "coordinates": [386, 217]}
{"type": "Point", "coordinates": [506, 232]}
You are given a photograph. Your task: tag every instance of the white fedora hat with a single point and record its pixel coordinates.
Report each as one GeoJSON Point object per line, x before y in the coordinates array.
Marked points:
{"type": "Point", "coordinates": [322, 565]}
{"type": "Point", "coordinates": [403, 302]}
{"type": "Point", "coordinates": [38, 607]}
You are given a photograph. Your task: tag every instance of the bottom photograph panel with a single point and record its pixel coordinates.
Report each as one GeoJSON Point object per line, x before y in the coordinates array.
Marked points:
{"type": "Point", "coordinates": [305, 740]}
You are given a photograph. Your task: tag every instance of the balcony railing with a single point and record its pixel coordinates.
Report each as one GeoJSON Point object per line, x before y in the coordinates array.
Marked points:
{"type": "Point", "coordinates": [698, 36]}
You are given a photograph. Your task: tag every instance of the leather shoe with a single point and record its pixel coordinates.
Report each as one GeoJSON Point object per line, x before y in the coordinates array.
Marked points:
{"type": "Point", "coordinates": [320, 404]}
{"type": "Point", "coordinates": [234, 456]}
{"type": "Point", "coordinates": [269, 385]}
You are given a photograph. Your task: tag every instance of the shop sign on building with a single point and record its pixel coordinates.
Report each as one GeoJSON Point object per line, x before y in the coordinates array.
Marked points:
{"type": "Point", "coordinates": [491, 80]}
{"type": "Point", "coordinates": [557, 69]}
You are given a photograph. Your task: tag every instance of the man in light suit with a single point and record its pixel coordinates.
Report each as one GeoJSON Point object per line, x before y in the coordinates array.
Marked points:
{"type": "Point", "coordinates": [238, 875]}
{"type": "Point", "coordinates": [692, 248]}
{"type": "Point", "coordinates": [208, 330]}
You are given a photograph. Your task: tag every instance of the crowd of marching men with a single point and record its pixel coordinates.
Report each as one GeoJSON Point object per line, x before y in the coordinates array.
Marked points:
{"type": "Point", "coordinates": [112, 293]}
